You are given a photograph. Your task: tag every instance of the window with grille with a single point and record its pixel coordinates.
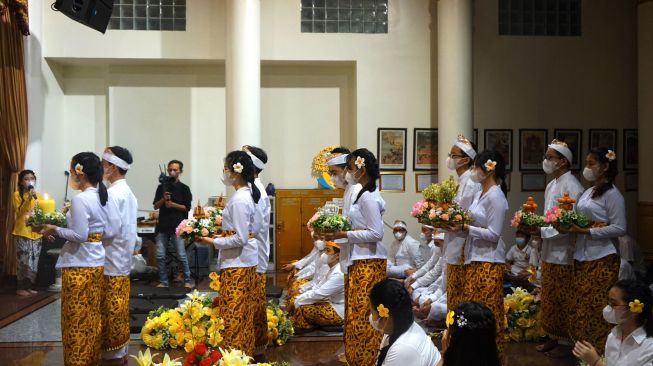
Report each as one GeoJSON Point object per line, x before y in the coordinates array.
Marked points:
{"type": "Point", "coordinates": [344, 16]}
{"type": "Point", "coordinates": [540, 17]}
{"type": "Point", "coordinates": [155, 15]}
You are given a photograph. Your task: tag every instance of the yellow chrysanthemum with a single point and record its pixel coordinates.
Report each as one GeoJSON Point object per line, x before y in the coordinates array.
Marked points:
{"type": "Point", "coordinates": [214, 276]}
{"type": "Point", "coordinates": [215, 285]}
{"type": "Point", "coordinates": [527, 299]}
{"type": "Point", "coordinates": [512, 304]}
{"type": "Point", "coordinates": [383, 311]}
{"type": "Point", "coordinates": [636, 306]}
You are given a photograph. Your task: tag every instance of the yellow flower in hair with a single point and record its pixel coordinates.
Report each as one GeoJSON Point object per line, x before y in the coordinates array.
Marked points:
{"type": "Point", "coordinates": [214, 276]}
{"type": "Point", "coordinates": [449, 320]}
{"type": "Point", "coordinates": [636, 306]}
{"type": "Point", "coordinates": [611, 155]}
{"type": "Point", "coordinates": [79, 169]}
{"type": "Point", "coordinates": [360, 162]}
{"type": "Point", "coordinates": [490, 165]}
{"type": "Point", "coordinates": [238, 168]}
{"type": "Point", "coordinates": [383, 311]}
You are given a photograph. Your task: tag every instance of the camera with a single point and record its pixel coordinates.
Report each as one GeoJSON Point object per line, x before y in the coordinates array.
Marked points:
{"type": "Point", "coordinates": [165, 180]}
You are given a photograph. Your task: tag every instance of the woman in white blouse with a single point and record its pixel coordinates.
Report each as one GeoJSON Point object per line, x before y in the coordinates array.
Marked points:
{"type": "Point", "coordinates": [596, 263]}
{"type": "Point", "coordinates": [404, 341]}
{"type": "Point", "coordinates": [484, 251]}
{"type": "Point", "coordinates": [238, 253]}
{"type": "Point", "coordinates": [91, 219]}
{"type": "Point", "coordinates": [366, 257]}
{"type": "Point", "coordinates": [630, 343]}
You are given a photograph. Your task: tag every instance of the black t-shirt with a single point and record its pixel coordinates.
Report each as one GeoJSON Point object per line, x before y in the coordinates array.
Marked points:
{"type": "Point", "coordinates": [169, 218]}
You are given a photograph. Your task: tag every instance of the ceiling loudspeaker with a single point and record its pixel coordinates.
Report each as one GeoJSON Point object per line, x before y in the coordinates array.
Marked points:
{"type": "Point", "coordinates": [92, 13]}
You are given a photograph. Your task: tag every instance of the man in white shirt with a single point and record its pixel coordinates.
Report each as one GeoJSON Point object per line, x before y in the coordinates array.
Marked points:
{"type": "Point", "coordinates": [323, 304]}
{"type": "Point", "coordinates": [404, 254]}
{"type": "Point", "coordinates": [435, 268]}
{"type": "Point", "coordinates": [116, 161]}
{"type": "Point", "coordinates": [426, 244]}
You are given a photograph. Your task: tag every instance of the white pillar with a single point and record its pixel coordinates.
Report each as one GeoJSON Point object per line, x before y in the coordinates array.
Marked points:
{"type": "Point", "coordinates": [243, 73]}
{"type": "Point", "coordinates": [454, 76]}
{"type": "Point", "coordinates": [645, 122]}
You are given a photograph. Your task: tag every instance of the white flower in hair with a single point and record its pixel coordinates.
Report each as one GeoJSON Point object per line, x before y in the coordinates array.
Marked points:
{"type": "Point", "coordinates": [490, 165]}
{"type": "Point", "coordinates": [360, 162]}
{"type": "Point", "coordinates": [611, 155]}
{"type": "Point", "coordinates": [238, 168]}
{"type": "Point", "coordinates": [79, 168]}
{"type": "Point", "coordinates": [461, 321]}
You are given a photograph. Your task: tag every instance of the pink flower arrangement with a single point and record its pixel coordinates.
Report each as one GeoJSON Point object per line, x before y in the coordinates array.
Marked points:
{"type": "Point", "coordinates": [444, 217]}
{"type": "Point", "coordinates": [204, 232]}
{"type": "Point", "coordinates": [552, 215]}
{"type": "Point", "coordinates": [218, 221]}
{"type": "Point", "coordinates": [516, 219]}
{"type": "Point", "coordinates": [418, 208]}
{"type": "Point", "coordinates": [182, 227]}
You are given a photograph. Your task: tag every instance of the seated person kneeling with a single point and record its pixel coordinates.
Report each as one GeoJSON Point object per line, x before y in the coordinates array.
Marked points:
{"type": "Point", "coordinates": [404, 255]}
{"type": "Point", "coordinates": [324, 304]}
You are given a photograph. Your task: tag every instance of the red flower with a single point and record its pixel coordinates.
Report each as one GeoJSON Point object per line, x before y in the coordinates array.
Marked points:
{"type": "Point", "coordinates": [200, 349]}
{"type": "Point", "coordinates": [186, 363]}
{"type": "Point", "coordinates": [215, 356]}
{"type": "Point", "coordinates": [190, 359]}
{"type": "Point", "coordinates": [206, 362]}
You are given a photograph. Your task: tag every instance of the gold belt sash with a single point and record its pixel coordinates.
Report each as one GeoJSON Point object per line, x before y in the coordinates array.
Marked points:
{"type": "Point", "coordinates": [225, 233]}
{"type": "Point", "coordinates": [94, 238]}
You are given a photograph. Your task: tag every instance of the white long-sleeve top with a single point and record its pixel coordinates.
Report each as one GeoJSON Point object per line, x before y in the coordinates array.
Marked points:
{"type": "Point", "coordinates": [403, 255]}
{"type": "Point", "coordinates": [559, 248]}
{"type": "Point", "coordinates": [426, 251]}
{"type": "Point", "coordinates": [609, 208]}
{"type": "Point", "coordinates": [413, 348]}
{"type": "Point", "coordinates": [87, 216]}
{"type": "Point", "coordinates": [119, 250]}
{"type": "Point", "coordinates": [331, 289]}
{"type": "Point", "coordinates": [520, 258]}
{"type": "Point", "coordinates": [241, 216]}
{"type": "Point", "coordinates": [350, 194]}
{"type": "Point", "coordinates": [435, 257]}
{"type": "Point", "coordinates": [634, 350]}
{"type": "Point", "coordinates": [308, 258]}
{"type": "Point", "coordinates": [365, 241]}
{"type": "Point", "coordinates": [432, 275]}
{"type": "Point", "coordinates": [321, 269]}
{"type": "Point", "coordinates": [262, 237]}
{"type": "Point", "coordinates": [484, 243]}
{"type": "Point", "coordinates": [454, 242]}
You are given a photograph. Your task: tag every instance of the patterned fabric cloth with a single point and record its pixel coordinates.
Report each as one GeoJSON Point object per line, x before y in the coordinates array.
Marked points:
{"type": "Point", "coordinates": [236, 307]}
{"type": "Point", "coordinates": [115, 312]}
{"type": "Point", "coordinates": [260, 314]}
{"type": "Point", "coordinates": [590, 284]}
{"type": "Point", "coordinates": [295, 284]}
{"type": "Point", "coordinates": [27, 260]}
{"type": "Point", "coordinates": [554, 307]}
{"type": "Point", "coordinates": [455, 285]}
{"type": "Point", "coordinates": [81, 318]}
{"type": "Point", "coordinates": [361, 340]}
{"type": "Point", "coordinates": [319, 314]}
{"type": "Point", "coordinates": [485, 284]}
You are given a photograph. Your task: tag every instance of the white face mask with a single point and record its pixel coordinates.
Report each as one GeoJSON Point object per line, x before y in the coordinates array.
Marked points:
{"type": "Point", "coordinates": [227, 179]}
{"type": "Point", "coordinates": [338, 181]}
{"type": "Point", "coordinates": [612, 316]}
{"type": "Point", "coordinates": [549, 166]}
{"type": "Point", "coordinates": [319, 244]}
{"type": "Point", "coordinates": [376, 324]}
{"type": "Point", "coordinates": [475, 176]}
{"type": "Point", "coordinates": [350, 179]}
{"type": "Point", "coordinates": [589, 175]}
{"type": "Point", "coordinates": [451, 164]}
{"type": "Point", "coordinates": [423, 238]}
{"type": "Point", "coordinates": [399, 235]}
{"type": "Point", "coordinates": [324, 258]}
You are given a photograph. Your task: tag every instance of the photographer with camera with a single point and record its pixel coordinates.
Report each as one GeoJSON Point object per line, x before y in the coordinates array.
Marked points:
{"type": "Point", "coordinates": [173, 200]}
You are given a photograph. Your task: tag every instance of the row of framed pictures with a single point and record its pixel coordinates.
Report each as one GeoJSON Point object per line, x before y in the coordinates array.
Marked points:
{"type": "Point", "coordinates": [530, 181]}
{"type": "Point", "coordinates": [392, 143]}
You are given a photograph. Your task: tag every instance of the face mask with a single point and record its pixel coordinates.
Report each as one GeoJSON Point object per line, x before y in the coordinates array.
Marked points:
{"type": "Point", "coordinates": [399, 235]}
{"type": "Point", "coordinates": [612, 316]}
{"type": "Point", "coordinates": [319, 244]}
{"type": "Point", "coordinates": [423, 238]}
{"type": "Point", "coordinates": [227, 179]}
{"type": "Point", "coordinates": [351, 179]}
{"type": "Point", "coordinates": [451, 164]}
{"type": "Point", "coordinates": [520, 242]}
{"type": "Point", "coordinates": [173, 174]}
{"type": "Point", "coordinates": [376, 324]}
{"type": "Point", "coordinates": [475, 176]}
{"type": "Point", "coordinates": [548, 166]}
{"type": "Point", "coordinates": [589, 175]}
{"type": "Point", "coordinates": [324, 258]}
{"type": "Point", "coordinates": [338, 181]}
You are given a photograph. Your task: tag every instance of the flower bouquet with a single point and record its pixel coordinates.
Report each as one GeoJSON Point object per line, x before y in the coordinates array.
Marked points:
{"type": "Point", "coordinates": [522, 316]}
{"type": "Point", "coordinates": [37, 218]}
{"type": "Point", "coordinates": [526, 219]}
{"type": "Point", "coordinates": [438, 208]}
{"type": "Point", "coordinates": [279, 325]}
{"type": "Point", "coordinates": [208, 225]}
{"type": "Point", "coordinates": [563, 214]}
{"type": "Point", "coordinates": [323, 222]}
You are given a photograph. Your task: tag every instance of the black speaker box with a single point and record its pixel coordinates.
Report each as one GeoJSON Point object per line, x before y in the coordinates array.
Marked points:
{"type": "Point", "coordinates": [92, 13]}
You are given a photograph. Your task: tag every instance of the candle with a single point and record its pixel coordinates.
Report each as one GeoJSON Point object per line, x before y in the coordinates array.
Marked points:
{"type": "Point", "coordinates": [46, 204]}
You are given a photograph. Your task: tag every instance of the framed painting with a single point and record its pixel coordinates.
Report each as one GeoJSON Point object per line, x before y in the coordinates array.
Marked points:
{"type": "Point", "coordinates": [606, 138]}
{"type": "Point", "coordinates": [631, 149]}
{"type": "Point", "coordinates": [533, 182]}
{"type": "Point", "coordinates": [391, 148]}
{"type": "Point", "coordinates": [392, 182]}
{"type": "Point", "coordinates": [423, 180]}
{"type": "Point", "coordinates": [574, 140]}
{"type": "Point", "coordinates": [500, 140]}
{"type": "Point", "coordinates": [425, 149]}
{"type": "Point", "coordinates": [532, 146]}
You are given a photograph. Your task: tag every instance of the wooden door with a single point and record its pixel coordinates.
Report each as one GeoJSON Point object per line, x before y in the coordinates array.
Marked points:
{"type": "Point", "coordinates": [289, 228]}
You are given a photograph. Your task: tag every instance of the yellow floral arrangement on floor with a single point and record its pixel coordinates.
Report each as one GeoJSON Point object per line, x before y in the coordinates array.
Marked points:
{"type": "Point", "coordinates": [195, 321]}
{"type": "Point", "coordinates": [279, 325]}
{"type": "Point", "coordinates": [522, 316]}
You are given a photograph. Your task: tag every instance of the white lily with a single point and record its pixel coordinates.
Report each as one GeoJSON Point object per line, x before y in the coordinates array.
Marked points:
{"type": "Point", "coordinates": [144, 359]}
{"type": "Point", "coordinates": [168, 362]}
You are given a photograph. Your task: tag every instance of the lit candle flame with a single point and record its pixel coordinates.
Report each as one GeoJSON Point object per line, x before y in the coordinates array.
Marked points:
{"type": "Point", "coordinates": [45, 196]}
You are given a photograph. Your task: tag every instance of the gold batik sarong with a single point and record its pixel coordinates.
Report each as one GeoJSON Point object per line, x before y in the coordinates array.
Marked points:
{"type": "Point", "coordinates": [589, 291]}
{"type": "Point", "coordinates": [361, 340]}
{"type": "Point", "coordinates": [115, 312]}
{"type": "Point", "coordinates": [81, 318]}
{"type": "Point", "coordinates": [260, 314]}
{"type": "Point", "coordinates": [484, 284]}
{"type": "Point", "coordinates": [555, 295]}
{"type": "Point", "coordinates": [295, 285]}
{"type": "Point", "coordinates": [236, 307]}
{"type": "Point", "coordinates": [455, 285]}
{"type": "Point", "coordinates": [319, 314]}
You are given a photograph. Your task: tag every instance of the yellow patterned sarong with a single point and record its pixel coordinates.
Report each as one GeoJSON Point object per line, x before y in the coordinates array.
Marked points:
{"type": "Point", "coordinates": [260, 314]}
{"type": "Point", "coordinates": [81, 318]}
{"type": "Point", "coordinates": [319, 314]}
{"type": "Point", "coordinates": [361, 340]}
{"type": "Point", "coordinates": [236, 307]}
{"type": "Point", "coordinates": [455, 285]}
{"type": "Point", "coordinates": [589, 291]}
{"type": "Point", "coordinates": [556, 293]}
{"type": "Point", "coordinates": [115, 312]}
{"type": "Point", "coordinates": [290, 300]}
{"type": "Point", "coordinates": [484, 283]}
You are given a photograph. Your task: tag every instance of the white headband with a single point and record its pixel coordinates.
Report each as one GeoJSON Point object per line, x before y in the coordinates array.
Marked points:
{"type": "Point", "coordinates": [562, 149]}
{"type": "Point", "coordinates": [257, 162]}
{"type": "Point", "coordinates": [338, 160]}
{"type": "Point", "coordinates": [399, 225]}
{"type": "Point", "coordinates": [465, 146]}
{"type": "Point", "coordinates": [115, 160]}
{"type": "Point", "coordinates": [429, 227]}
{"type": "Point", "coordinates": [438, 236]}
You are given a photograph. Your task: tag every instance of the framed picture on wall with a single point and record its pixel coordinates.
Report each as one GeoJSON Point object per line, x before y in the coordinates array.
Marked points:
{"type": "Point", "coordinates": [532, 146]}
{"type": "Point", "coordinates": [423, 180]}
{"type": "Point", "coordinates": [392, 182]}
{"type": "Point", "coordinates": [631, 149]}
{"type": "Point", "coordinates": [533, 182]}
{"type": "Point", "coordinates": [508, 180]}
{"type": "Point", "coordinates": [391, 148]}
{"type": "Point", "coordinates": [574, 140]}
{"type": "Point", "coordinates": [631, 181]}
{"type": "Point", "coordinates": [500, 140]}
{"type": "Point", "coordinates": [425, 149]}
{"type": "Point", "coordinates": [606, 138]}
